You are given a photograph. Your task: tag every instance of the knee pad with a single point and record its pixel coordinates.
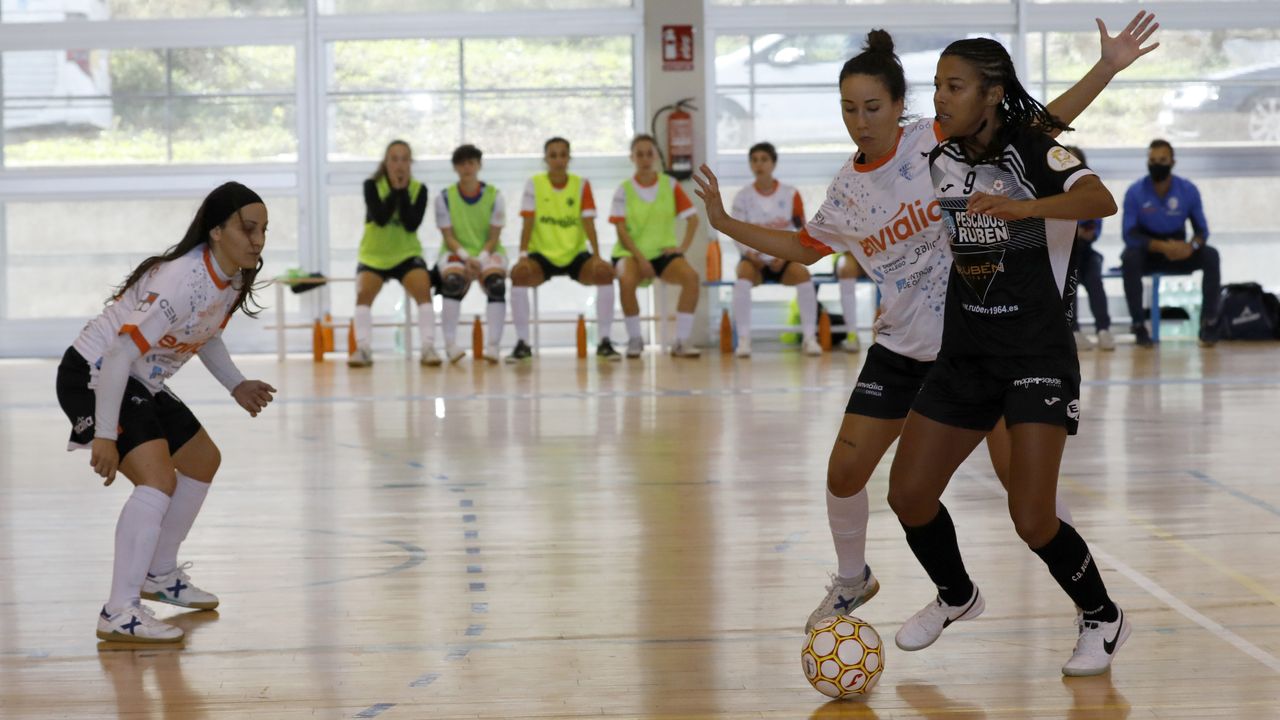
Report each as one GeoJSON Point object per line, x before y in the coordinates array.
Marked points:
{"type": "Point", "coordinates": [495, 287]}
{"type": "Point", "coordinates": [454, 286]}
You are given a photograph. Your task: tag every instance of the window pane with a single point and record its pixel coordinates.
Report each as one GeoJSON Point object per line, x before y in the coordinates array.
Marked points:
{"type": "Point", "coordinates": [744, 3]}
{"type": "Point", "coordinates": [17, 11]}
{"type": "Point", "coordinates": [1219, 86]}
{"type": "Point", "coordinates": [56, 269]}
{"type": "Point", "coordinates": [504, 94]}
{"type": "Point", "coordinates": [411, 6]}
{"type": "Point", "coordinates": [782, 87]}
{"type": "Point", "coordinates": [205, 105]}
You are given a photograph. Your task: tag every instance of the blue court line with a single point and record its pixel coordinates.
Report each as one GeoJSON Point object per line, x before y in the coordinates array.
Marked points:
{"type": "Point", "coordinates": [1239, 494]}
{"type": "Point", "coordinates": [457, 653]}
{"type": "Point", "coordinates": [785, 545]}
{"type": "Point", "coordinates": [473, 551]}
{"type": "Point", "coordinates": [466, 503]}
{"type": "Point", "coordinates": [425, 680]}
{"type": "Point", "coordinates": [375, 711]}
{"type": "Point", "coordinates": [479, 608]}
{"type": "Point", "coordinates": [474, 569]}
{"type": "Point", "coordinates": [476, 587]}
{"type": "Point", "coordinates": [474, 630]}
{"type": "Point", "coordinates": [468, 518]}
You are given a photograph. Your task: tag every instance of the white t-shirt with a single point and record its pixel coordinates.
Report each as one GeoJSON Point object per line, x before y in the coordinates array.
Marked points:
{"type": "Point", "coordinates": [497, 219]}
{"type": "Point", "coordinates": [780, 209]}
{"type": "Point", "coordinates": [886, 216]}
{"type": "Point", "coordinates": [169, 313]}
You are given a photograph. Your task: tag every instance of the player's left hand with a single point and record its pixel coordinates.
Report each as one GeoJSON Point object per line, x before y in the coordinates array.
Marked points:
{"type": "Point", "coordinates": [998, 206]}
{"type": "Point", "coordinates": [253, 395]}
{"type": "Point", "coordinates": [1121, 51]}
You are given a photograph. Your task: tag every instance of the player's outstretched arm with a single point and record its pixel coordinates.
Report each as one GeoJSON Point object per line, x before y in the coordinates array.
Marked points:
{"type": "Point", "coordinates": [778, 243]}
{"type": "Point", "coordinates": [1117, 53]}
{"type": "Point", "coordinates": [252, 395]}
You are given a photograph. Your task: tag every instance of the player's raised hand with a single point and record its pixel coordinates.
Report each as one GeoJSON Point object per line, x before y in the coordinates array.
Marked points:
{"type": "Point", "coordinates": [709, 191]}
{"type": "Point", "coordinates": [253, 396]}
{"type": "Point", "coordinates": [1121, 51]}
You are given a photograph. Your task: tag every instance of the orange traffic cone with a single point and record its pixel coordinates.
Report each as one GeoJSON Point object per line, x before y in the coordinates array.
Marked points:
{"type": "Point", "coordinates": [824, 331]}
{"type": "Point", "coordinates": [317, 342]}
{"type": "Point", "coordinates": [477, 339]}
{"type": "Point", "coordinates": [351, 337]}
{"type": "Point", "coordinates": [328, 333]}
{"type": "Point", "coordinates": [726, 334]}
{"type": "Point", "coordinates": [582, 337]}
{"type": "Point", "coordinates": [713, 262]}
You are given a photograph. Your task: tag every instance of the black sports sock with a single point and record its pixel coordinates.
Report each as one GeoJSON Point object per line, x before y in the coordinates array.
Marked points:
{"type": "Point", "coordinates": [1072, 565]}
{"type": "Point", "coordinates": [935, 546]}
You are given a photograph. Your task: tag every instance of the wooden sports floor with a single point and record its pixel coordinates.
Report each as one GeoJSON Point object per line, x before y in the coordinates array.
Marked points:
{"type": "Point", "coordinates": [571, 539]}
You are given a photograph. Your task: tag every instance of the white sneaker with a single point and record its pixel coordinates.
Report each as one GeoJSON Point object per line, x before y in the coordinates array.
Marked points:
{"type": "Point", "coordinates": [635, 347]}
{"type": "Point", "coordinates": [454, 353]}
{"type": "Point", "coordinates": [1083, 342]}
{"type": "Point", "coordinates": [1096, 646]}
{"type": "Point", "coordinates": [744, 347]}
{"type": "Point", "coordinates": [362, 357]}
{"type": "Point", "coordinates": [492, 354]}
{"type": "Point", "coordinates": [843, 596]}
{"type": "Point", "coordinates": [682, 349]}
{"type": "Point", "coordinates": [923, 628]}
{"type": "Point", "coordinates": [1105, 341]}
{"type": "Point", "coordinates": [175, 588]}
{"type": "Point", "coordinates": [811, 347]}
{"type": "Point", "coordinates": [430, 358]}
{"type": "Point", "coordinates": [136, 623]}
{"type": "Point", "coordinates": [852, 344]}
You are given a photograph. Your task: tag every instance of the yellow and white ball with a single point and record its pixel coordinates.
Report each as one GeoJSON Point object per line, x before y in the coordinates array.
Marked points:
{"type": "Point", "coordinates": [843, 657]}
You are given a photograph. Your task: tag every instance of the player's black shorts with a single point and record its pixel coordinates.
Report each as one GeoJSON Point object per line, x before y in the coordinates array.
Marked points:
{"type": "Point", "coordinates": [887, 385]}
{"type": "Point", "coordinates": [973, 393]}
{"type": "Point", "coordinates": [659, 263]}
{"type": "Point", "coordinates": [772, 277]}
{"type": "Point", "coordinates": [396, 273]}
{"type": "Point", "coordinates": [143, 417]}
{"type": "Point", "coordinates": [573, 269]}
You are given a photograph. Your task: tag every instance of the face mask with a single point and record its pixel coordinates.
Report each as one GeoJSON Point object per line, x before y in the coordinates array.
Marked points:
{"type": "Point", "coordinates": [1159, 173]}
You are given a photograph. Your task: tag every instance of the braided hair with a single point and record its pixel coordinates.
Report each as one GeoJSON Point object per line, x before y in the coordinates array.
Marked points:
{"type": "Point", "coordinates": [1018, 111]}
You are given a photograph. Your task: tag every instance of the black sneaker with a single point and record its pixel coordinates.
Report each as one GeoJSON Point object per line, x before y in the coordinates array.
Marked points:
{"type": "Point", "coordinates": [1209, 335]}
{"type": "Point", "coordinates": [605, 350]}
{"type": "Point", "coordinates": [520, 352]}
{"type": "Point", "coordinates": [1141, 336]}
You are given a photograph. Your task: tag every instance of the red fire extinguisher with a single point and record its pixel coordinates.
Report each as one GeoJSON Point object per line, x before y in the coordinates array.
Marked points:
{"type": "Point", "coordinates": [680, 142]}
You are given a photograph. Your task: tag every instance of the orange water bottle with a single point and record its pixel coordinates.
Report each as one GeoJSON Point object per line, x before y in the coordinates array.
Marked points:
{"type": "Point", "coordinates": [713, 261]}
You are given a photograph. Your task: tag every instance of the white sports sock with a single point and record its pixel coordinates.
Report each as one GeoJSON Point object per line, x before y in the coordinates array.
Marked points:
{"type": "Point", "coordinates": [633, 327]}
{"type": "Point", "coordinates": [807, 299]}
{"type": "Point", "coordinates": [137, 532]}
{"type": "Point", "coordinates": [1063, 512]}
{"type": "Point", "coordinates": [496, 318]}
{"type": "Point", "coordinates": [450, 311]}
{"type": "Point", "coordinates": [604, 310]}
{"type": "Point", "coordinates": [188, 497]}
{"type": "Point", "coordinates": [849, 302]}
{"type": "Point", "coordinates": [364, 326]}
{"type": "Point", "coordinates": [520, 312]}
{"type": "Point", "coordinates": [848, 520]}
{"type": "Point", "coordinates": [684, 326]}
{"type": "Point", "coordinates": [742, 309]}
{"type": "Point", "coordinates": [427, 325]}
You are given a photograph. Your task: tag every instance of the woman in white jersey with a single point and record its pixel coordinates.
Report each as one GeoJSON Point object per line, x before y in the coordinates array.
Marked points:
{"type": "Point", "coordinates": [1010, 198]}
{"type": "Point", "coordinates": [111, 385]}
{"type": "Point", "coordinates": [881, 208]}
{"type": "Point", "coordinates": [644, 211]}
{"type": "Point", "coordinates": [769, 203]}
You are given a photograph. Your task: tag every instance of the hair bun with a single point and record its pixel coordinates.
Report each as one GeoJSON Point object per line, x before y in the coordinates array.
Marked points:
{"type": "Point", "coordinates": [879, 41]}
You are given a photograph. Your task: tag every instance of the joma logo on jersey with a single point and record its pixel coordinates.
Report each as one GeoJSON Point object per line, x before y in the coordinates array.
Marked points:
{"type": "Point", "coordinates": [909, 220]}
{"type": "Point", "coordinates": [171, 343]}
{"type": "Point", "coordinates": [980, 229]}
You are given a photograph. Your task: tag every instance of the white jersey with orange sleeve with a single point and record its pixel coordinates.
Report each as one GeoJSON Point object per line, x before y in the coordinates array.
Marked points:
{"type": "Point", "coordinates": [169, 313]}
{"type": "Point", "coordinates": [780, 209]}
{"type": "Point", "coordinates": [886, 216]}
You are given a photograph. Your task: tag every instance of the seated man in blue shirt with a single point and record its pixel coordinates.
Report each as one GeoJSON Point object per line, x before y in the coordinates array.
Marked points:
{"type": "Point", "coordinates": [1156, 211]}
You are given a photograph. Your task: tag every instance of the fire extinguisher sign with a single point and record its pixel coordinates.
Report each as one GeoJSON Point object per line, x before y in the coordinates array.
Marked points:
{"type": "Point", "coordinates": [677, 47]}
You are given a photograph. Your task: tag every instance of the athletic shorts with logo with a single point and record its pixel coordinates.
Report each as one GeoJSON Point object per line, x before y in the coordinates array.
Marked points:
{"type": "Point", "coordinates": [572, 270]}
{"type": "Point", "coordinates": [888, 384]}
{"type": "Point", "coordinates": [974, 393]}
{"type": "Point", "coordinates": [396, 273]}
{"type": "Point", "coordinates": [143, 417]}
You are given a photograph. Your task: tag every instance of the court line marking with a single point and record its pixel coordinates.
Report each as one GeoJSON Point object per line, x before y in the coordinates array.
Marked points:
{"type": "Point", "coordinates": [1238, 494]}
{"type": "Point", "coordinates": [1158, 592]}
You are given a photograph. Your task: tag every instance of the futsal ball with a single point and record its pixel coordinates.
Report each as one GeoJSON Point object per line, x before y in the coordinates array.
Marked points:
{"type": "Point", "coordinates": [843, 657]}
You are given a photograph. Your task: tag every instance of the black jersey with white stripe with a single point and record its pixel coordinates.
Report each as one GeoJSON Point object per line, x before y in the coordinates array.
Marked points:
{"type": "Point", "coordinates": [1010, 280]}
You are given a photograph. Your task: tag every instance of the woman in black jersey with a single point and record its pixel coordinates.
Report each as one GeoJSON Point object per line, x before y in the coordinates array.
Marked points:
{"type": "Point", "coordinates": [1010, 197]}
